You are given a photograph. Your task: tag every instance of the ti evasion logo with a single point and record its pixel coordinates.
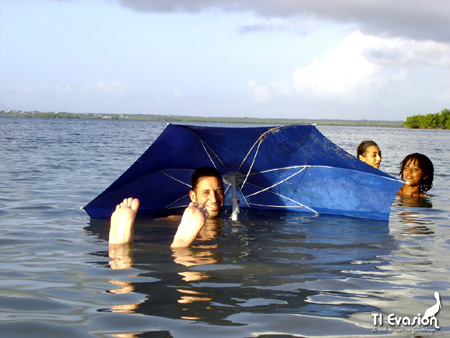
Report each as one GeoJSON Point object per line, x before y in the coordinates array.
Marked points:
{"type": "Point", "coordinates": [428, 319]}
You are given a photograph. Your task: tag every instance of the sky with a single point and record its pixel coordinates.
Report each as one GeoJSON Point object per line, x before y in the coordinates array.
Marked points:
{"type": "Point", "coordinates": [294, 59]}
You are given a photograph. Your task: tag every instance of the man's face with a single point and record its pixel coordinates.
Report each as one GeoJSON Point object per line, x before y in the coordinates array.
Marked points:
{"type": "Point", "coordinates": [209, 192]}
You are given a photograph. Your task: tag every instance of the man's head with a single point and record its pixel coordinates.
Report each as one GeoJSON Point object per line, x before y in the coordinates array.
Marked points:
{"type": "Point", "coordinates": [207, 189]}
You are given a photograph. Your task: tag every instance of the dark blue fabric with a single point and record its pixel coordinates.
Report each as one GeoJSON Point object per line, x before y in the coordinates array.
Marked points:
{"type": "Point", "coordinates": [312, 173]}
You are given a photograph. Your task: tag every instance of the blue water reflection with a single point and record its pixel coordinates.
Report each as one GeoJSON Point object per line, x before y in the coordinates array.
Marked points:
{"type": "Point", "coordinates": [267, 263]}
{"type": "Point", "coordinates": [269, 274]}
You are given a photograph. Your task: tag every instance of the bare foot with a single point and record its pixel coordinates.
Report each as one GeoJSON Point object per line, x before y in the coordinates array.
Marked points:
{"type": "Point", "coordinates": [194, 218]}
{"type": "Point", "coordinates": [122, 221]}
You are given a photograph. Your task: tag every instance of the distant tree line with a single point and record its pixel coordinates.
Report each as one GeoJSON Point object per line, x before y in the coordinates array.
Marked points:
{"type": "Point", "coordinates": [182, 119]}
{"type": "Point", "coordinates": [429, 121]}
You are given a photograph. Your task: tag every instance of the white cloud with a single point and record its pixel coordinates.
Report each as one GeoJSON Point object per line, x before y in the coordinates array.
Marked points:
{"type": "Point", "coordinates": [364, 74]}
{"type": "Point", "coordinates": [25, 89]}
{"type": "Point", "coordinates": [179, 94]}
{"type": "Point", "coordinates": [259, 93]}
{"type": "Point", "coordinates": [340, 71]}
{"type": "Point", "coordinates": [62, 88]}
{"type": "Point", "coordinates": [363, 63]}
{"type": "Point", "coordinates": [109, 88]}
{"type": "Point", "coordinates": [282, 87]}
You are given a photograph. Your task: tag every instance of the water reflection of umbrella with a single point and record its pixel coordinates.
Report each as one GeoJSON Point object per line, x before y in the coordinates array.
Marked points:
{"type": "Point", "coordinates": [290, 167]}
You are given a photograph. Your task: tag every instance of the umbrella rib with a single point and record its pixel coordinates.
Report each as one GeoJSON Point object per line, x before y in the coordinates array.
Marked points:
{"type": "Point", "coordinates": [179, 199]}
{"type": "Point", "coordinates": [258, 141]}
{"type": "Point", "coordinates": [283, 168]}
{"type": "Point", "coordinates": [243, 195]}
{"type": "Point", "coordinates": [282, 206]}
{"type": "Point", "coordinates": [204, 145]}
{"type": "Point", "coordinates": [251, 166]}
{"type": "Point", "coordinates": [278, 183]}
{"type": "Point", "coordinates": [174, 178]}
{"type": "Point", "coordinates": [285, 197]}
{"type": "Point", "coordinates": [179, 181]}
{"type": "Point", "coordinates": [288, 198]}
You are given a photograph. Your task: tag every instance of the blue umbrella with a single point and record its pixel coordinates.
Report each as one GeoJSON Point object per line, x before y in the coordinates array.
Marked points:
{"type": "Point", "coordinates": [291, 167]}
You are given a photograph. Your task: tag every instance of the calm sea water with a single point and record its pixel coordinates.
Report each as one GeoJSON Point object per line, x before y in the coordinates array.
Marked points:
{"type": "Point", "coordinates": [271, 274]}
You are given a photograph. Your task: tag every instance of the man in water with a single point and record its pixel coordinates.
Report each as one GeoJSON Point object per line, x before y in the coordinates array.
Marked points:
{"type": "Point", "coordinates": [207, 199]}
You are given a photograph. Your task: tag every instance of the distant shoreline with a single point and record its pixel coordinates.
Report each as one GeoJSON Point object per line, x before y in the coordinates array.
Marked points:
{"type": "Point", "coordinates": [177, 118]}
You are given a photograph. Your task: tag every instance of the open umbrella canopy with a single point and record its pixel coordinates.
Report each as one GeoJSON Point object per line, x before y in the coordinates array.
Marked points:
{"type": "Point", "coordinates": [291, 167]}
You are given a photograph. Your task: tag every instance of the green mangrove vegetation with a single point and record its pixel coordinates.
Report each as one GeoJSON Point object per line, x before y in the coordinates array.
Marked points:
{"type": "Point", "coordinates": [429, 121]}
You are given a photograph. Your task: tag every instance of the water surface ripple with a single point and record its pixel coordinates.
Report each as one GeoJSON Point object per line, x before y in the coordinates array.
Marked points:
{"type": "Point", "coordinates": [285, 274]}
